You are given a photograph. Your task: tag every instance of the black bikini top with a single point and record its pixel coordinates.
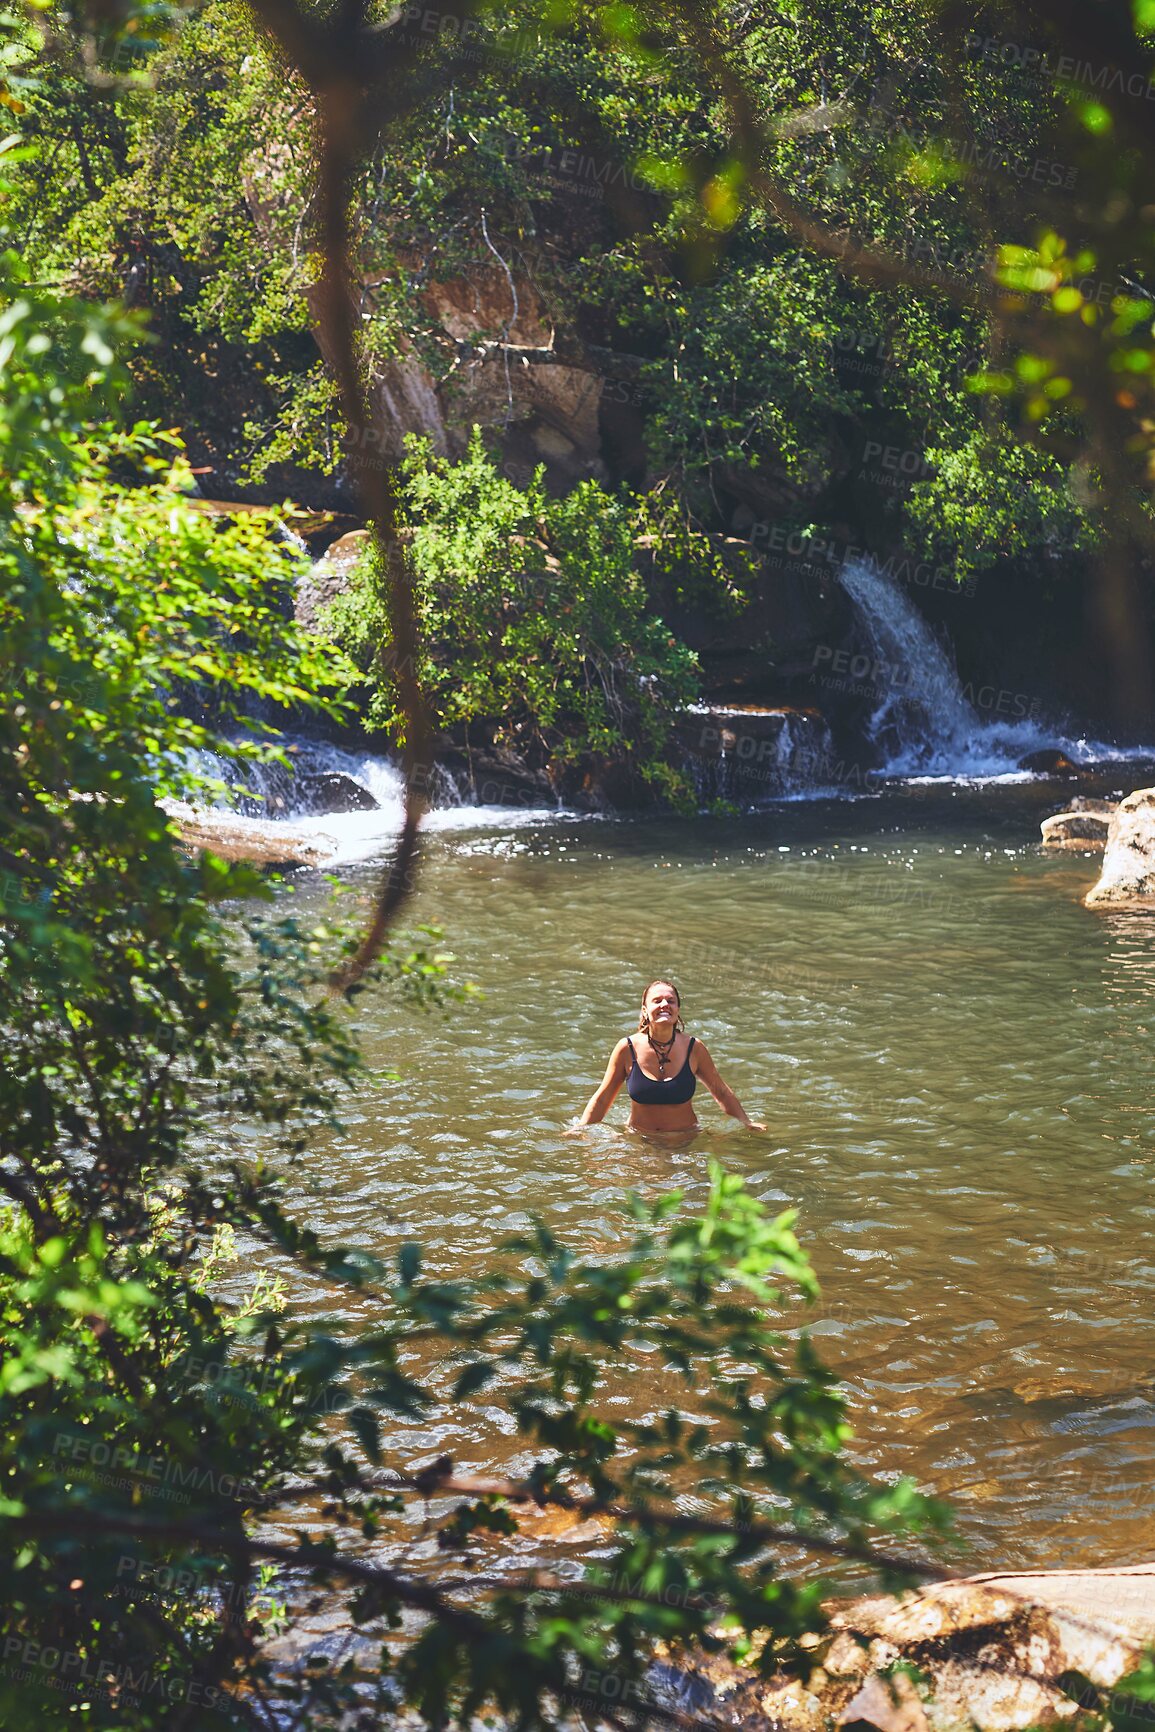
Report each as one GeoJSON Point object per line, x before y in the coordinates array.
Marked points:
{"type": "Point", "coordinates": [672, 1091]}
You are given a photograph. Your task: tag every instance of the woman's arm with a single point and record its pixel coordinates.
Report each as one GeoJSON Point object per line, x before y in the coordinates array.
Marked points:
{"type": "Point", "coordinates": [725, 1097]}
{"type": "Point", "coordinates": [603, 1096]}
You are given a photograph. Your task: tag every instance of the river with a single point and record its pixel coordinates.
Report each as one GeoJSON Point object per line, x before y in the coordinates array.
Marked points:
{"type": "Point", "coordinates": [953, 1059]}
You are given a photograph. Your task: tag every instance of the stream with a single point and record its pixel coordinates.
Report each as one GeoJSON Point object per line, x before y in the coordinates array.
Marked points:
{"type": "Point", "coordinates": [952, 1056]}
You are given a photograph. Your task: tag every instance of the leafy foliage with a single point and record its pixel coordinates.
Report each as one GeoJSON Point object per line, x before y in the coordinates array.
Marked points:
{"type": "Point", "coordinates": [593, 156]}
{"type": "Point", "coordinates": [533, 610]}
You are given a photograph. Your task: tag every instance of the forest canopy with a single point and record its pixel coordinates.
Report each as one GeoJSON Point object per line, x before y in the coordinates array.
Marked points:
{"type": "Point", "coordinates": [545, 192]}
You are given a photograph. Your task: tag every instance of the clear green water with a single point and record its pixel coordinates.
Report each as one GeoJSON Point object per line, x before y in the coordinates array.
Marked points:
{"type": "Point", "coordinates": [953, 1058]}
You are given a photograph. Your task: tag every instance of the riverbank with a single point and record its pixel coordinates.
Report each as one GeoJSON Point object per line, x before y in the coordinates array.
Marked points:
{"type": "Point", "coordinates": [999, 1652]}
{"type": "Point", "coordinates": [805, 678]}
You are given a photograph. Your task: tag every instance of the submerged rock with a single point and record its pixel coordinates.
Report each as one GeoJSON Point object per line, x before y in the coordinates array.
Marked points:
{"type": "Point", "coordinates": [1128, 876]}
{"type": "Point", "coordinates": [261, 841]}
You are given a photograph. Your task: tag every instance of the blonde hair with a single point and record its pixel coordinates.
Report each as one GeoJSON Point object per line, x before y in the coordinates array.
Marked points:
{"type": "Point", "coordinates": [643, 1019]}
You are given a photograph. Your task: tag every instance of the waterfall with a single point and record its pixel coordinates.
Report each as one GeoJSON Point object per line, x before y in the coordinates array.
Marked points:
{"type": "Point", "coordinates": [921, 710]}
{"type": "Point", "coordinates": [351, 802]}
{"type": "Point", "coordinates": [924, 720]}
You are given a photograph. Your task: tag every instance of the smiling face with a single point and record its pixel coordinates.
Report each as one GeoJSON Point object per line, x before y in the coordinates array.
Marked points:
{"type": "Point", "coordinates": [661, 1005]}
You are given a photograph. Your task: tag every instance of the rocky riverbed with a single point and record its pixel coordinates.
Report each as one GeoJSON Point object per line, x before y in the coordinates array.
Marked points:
{"type": "Point", "coordinates": [996, 1653]}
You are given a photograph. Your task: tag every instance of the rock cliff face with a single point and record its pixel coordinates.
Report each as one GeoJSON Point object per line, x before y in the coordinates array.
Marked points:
{"type": "Point", "coordinates": [507, 377]}
{"type": "Point", "coordinates": [493, 354]}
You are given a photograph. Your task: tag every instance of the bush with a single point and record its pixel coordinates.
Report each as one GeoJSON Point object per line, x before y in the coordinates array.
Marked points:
{"type": "Point", "coordinates": [533, 612]}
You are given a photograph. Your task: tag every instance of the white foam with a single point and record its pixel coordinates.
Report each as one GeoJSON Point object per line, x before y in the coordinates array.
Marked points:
{"type": "Point", "coordinates": [360, 834]}
{"type": "Point", "coordinates": [924, 722]}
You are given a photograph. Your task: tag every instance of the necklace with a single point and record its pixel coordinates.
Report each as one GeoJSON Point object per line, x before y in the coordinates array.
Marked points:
{"type": "Point", "coordinates": [663, 1048]}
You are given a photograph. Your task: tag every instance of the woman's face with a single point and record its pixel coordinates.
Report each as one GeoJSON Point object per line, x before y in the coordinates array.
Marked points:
{"type": "Point", "coordinates": [662, 1002]}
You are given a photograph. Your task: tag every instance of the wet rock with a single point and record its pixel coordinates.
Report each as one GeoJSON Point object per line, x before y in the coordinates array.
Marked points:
{"type": "Point", "coordinates": [745, 754]}
{"type": "Point", "coordinates": [1081, 826]}
{"type": "Point", "coordinates": [261, 841]}
{"type": "Point", "coordinates": [985, 1654]}
{"type": "Point", "coordinates": [791, 1706]}
{"type": "Point", "coordinates": [329, 791]}
{"type": "Point", "coordinates": [1049, 762]}
{"type": "Point", "coordinates": [1127, 879]}
{"type": "Point", "coordinates": [992, 1649]}
{"type": "Point", "coordinates": [846, 1658]}
{"type": "Point", "coordinates": [317, 529]}
{"type": "Point", "coordinates": [496, 776]}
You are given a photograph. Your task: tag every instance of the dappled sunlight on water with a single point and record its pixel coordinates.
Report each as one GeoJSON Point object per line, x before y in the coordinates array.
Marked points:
{"type": "Point", "coordinates": [954, 1061]}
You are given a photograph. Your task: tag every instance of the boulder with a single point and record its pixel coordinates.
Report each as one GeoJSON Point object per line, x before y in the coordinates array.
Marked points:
{"type": "Point", "coordinates": [324, 791]}
{"type": "Point", "coordinates": [746, 754]}
{"type": "Point", "coordinates": [493, 775]}
{"type": "Point", "coordinates": [1050, 761]}
{"type": "Point", "coordinates": [1082, 825]}
{"type": "Point", "coordinates": [1127, 879]}
{"type": "Point", "coordinates": [990, 1652]}
{"type": "Point", "coordinates": [261, 841]}
{"type": "Point", "coordinates": [890, 1705]}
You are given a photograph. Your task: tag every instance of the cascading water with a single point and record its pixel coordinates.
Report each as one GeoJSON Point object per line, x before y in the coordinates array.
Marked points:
{"type": "Point", "coordinates": [924, 722]}
{"type": "Point", "coordinates": [350, 803]}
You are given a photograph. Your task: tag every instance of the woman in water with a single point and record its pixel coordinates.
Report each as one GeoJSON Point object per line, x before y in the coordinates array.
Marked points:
{"type": "Point", "coordinates": [661, 1071]}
